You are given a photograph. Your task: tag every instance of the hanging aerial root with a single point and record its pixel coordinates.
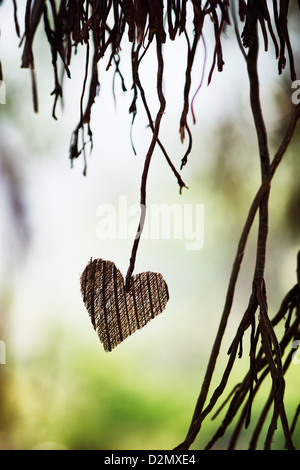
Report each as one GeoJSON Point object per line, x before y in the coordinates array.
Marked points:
{"type": "Point", "coordinates": [102, 25]}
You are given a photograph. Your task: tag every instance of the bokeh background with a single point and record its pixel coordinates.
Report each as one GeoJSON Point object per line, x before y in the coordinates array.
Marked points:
{"type": "Point", "coordinates": [59, 389]}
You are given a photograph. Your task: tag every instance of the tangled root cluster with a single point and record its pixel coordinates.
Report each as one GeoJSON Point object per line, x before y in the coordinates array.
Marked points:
{"type": "Point", "coordinates": [100, 25]}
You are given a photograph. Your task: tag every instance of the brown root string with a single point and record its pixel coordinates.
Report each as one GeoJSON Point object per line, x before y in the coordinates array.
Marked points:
{"type": "Point", "coordinates": [143, 200]}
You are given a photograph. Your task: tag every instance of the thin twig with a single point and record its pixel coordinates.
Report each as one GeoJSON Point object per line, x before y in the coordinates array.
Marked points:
{"type": "Point", "coordinates": [143, 200]}
{"type": "Point", "coordinates": [136, 79]}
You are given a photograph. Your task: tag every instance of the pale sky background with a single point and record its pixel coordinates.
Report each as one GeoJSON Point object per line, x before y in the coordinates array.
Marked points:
{"type": "Point", "coordinates": [62, 204]}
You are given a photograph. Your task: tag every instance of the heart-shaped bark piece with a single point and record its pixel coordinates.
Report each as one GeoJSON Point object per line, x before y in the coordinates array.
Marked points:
{"type": "Point", "coordinates": [116, 313]}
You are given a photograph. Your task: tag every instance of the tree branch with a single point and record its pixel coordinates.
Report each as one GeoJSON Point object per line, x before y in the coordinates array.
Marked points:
{"type": "Point", "coordinates": [268, 173]}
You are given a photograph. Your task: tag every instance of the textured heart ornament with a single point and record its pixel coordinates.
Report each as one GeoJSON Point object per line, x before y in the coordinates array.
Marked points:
{"type": "Point", "coordinates": [116, 313]}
